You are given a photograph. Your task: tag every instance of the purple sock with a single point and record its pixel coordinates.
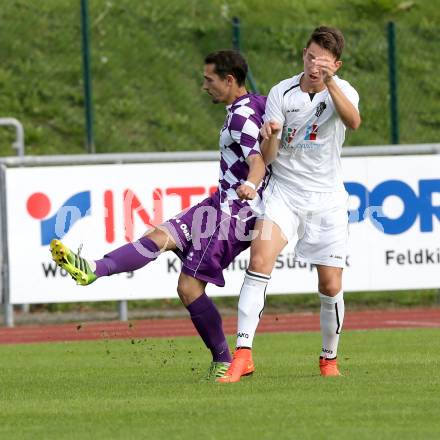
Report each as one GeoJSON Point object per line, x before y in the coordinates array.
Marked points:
{"type": "Point", "coordinates": [208, 323]}
{"type": "Point", "coordinates": [127, 258]}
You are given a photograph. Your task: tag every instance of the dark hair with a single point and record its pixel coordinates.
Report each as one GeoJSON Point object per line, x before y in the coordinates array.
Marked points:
{"type": "Point", "coordinates": [229, 62]}
{"type": "Point", "coordinates": [328, 38]}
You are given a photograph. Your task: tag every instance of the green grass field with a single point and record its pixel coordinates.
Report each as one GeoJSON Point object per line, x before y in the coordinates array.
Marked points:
{"type": "Point", "coordinates": [150, 389]}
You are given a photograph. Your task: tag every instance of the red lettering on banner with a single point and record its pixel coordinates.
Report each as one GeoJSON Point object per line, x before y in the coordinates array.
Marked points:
{"type": "Point", "coordinates": [109, 216]}
{"type": "Point", "coordinates": [186, 193]}
{"type": "Point", "coordinates": [132, 204]}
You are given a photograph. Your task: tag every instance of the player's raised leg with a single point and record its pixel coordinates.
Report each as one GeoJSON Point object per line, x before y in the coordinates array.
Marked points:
{"type": "Point", "coordinates": [265, 249]}
{"type": "Point", "coordinates": [129, 257]}
{"type": "Point", "coordinates": [331, 317]}
{"type": "Point", "coordinates": [207, 321]}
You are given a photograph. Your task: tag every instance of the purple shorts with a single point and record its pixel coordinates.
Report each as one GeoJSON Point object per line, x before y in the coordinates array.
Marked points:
{"type": "Point", "coordinates": [208, 239]}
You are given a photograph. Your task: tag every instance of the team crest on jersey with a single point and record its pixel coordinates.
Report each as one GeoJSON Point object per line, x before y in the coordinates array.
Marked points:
{"type": "Point", "coordinates": [311, 132]}
{"type": "Point", "coordinates": [320, 109]}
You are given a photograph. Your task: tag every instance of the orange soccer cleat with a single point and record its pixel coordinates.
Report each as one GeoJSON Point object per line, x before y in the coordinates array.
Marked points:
{"type": "Point", "coordinates": [242, 365]}
{"type": "Point", "coordinates": [328, 367]}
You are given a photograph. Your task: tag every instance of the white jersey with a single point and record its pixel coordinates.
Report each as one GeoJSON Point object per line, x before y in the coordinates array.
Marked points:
{"type": "Point", "coordinates": [309, 157]}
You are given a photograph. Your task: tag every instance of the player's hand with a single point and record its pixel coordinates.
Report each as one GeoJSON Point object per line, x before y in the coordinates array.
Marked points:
{"type": "Point", "coordinates": [327, 67]}
{"type": "Point", "coordinates": [245, 192]}
{"type": "Point", "coordinates": [269, 129]}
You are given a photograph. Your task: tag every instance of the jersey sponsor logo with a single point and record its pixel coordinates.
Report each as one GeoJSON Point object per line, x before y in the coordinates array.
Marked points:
{"type": "Point", "coordinates": [419, 206]}
{"type": "Point", "coordinates": [320, 109]}
{"type": "Point", "coordinates": [311, 135]}
{"type": "Point", "coordinates": [290, 134]}
{"type": "Point", "coordinates": [293, 110]}
{"type": "Point", "coordinates": [311, 132]}
{"type": "Point", "coordinates": [308, 146]}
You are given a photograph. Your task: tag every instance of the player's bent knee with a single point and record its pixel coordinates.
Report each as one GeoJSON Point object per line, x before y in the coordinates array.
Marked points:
{"type": "Point", "coordinates": [189, 289]}
{"type": "Point", "coordinates": [330, 288]}
{"type": "Point", "coordinates": [183, 289]}
{"type": "Point", "coordinates": [162, 238]}
{"type": "Point", "coordinates": [259, 264]}
{"type": "Point", "coordinates": [152, 233]}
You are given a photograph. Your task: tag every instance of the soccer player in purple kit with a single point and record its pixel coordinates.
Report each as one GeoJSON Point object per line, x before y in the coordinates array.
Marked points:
{"type": "Point", "coordinates": [208, 236]}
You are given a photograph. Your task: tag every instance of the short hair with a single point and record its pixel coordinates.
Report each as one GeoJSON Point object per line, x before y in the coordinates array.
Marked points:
{"type": "Point", "coordinates": [328, 38]}
{"type": "Point", "coordinates": [229, 62]}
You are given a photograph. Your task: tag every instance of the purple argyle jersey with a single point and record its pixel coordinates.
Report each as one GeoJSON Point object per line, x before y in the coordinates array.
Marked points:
{"type": "Point", "coordinates": [239, 138]}
{"type": "Point", "coordinates": [212, 233]}
{"type": "Point", "coordinates": [208, 239]}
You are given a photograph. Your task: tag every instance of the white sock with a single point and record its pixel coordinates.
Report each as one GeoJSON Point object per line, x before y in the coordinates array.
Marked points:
{"type": "Point", "coordinates": [332, 317]}
{"type": "Point", "coordinates": [250, 306]}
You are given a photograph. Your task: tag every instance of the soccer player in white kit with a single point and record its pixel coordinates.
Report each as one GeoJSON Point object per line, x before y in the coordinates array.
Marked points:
{"type": "Point", "coordinates": [305, 200]}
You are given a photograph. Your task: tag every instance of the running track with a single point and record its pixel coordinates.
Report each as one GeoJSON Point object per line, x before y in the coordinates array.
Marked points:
{"type": "Point", "coordinates": [167, 328]}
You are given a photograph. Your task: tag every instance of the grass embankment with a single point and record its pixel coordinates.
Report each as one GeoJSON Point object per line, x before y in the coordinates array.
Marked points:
{"type": "Point", "coordinates": [147, 67]}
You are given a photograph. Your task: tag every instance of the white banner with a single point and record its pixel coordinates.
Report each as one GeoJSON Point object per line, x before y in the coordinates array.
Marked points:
{"type": "Point", "coordinates": [394, 231]}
